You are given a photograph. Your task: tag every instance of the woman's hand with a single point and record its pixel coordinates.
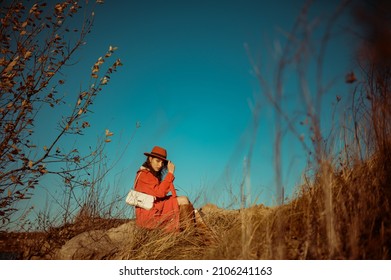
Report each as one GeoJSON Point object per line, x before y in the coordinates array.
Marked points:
{"type": "Point", "coordinates": [170, 167]}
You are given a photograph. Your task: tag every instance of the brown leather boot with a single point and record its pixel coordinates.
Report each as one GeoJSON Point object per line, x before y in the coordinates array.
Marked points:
{"type": "Point", "coordinates": [186, 217]}
{"type": "Point", "coordinates": [202, 229]}
{"type": "Point", "coordinates": [200, 224]}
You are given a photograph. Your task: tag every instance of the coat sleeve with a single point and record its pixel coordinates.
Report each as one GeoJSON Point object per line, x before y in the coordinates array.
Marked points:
{"type": "Point", "coordinates": [149, 184]}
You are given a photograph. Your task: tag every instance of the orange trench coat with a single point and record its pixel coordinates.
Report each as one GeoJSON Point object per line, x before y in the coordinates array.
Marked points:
{"type": "Point", "coordinates": [165, 211]}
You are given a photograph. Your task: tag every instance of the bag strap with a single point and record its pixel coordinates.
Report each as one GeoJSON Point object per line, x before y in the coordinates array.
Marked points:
{"type": "Point", "coordinates": [172, 188]}
{"type": "Point", "coordinates": [135, 180]}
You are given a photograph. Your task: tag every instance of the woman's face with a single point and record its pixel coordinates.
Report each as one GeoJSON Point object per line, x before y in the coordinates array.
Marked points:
{"type": "Point", "coordinates": [156, 163]}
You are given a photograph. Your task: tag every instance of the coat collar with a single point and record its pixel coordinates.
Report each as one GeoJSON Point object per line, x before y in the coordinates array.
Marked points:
{"type": "Point", "coordinates": [142, 168]}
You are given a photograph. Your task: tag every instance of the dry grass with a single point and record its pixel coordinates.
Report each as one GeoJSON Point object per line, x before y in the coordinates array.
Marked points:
{"type": "Point", "coordinates": [347, 219]}
{"type": "Point", "coordinates": [156, 245]}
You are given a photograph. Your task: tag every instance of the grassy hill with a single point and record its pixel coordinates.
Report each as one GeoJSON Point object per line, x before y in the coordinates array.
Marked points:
{"type": "Point", "coordinates": [342, 214]}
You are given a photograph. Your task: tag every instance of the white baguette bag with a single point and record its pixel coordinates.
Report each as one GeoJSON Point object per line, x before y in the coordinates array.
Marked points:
{"type": "Point", "coordinates": [140, 199]}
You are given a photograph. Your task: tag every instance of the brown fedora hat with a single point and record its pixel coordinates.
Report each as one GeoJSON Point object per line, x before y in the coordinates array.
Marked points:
{"type": "Point", "coordinates": [158, 152]}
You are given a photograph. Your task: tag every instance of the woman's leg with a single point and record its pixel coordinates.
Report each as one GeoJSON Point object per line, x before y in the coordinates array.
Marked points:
{"type": "Point", "coordinates": [183, 200]}
{"type": "Point", "coordinates": [189, 218]}
{"type": "Point", "coordinates": [186, 213]}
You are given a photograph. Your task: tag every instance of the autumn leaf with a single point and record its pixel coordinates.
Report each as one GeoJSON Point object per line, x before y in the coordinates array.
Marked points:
{"type": "Point", "coordinates": [117, 63]}
{"type": "Point", "coordinates": [16, 180]}
{"type": "Point", "coordinates": [21, 195]}
{"type": "Point", "coordinates": [73, 9]}
{"type": "Point", "coordinates": [100, 61]}
{"type": "Point", "coordinates": [13, 179]}
{"type": "Point", "coordinates": [42, 59]}
{"type": "Point", "coordinates": [27, 55]}
{"type": "Point", "coordinates": [59, 8]}
{"type": "Point", "coordinates": [34, 8]}
{"type": "Point", "coordinates": [10, 157]}
{"type": "Point", "coordinates": [350, 78]}
{"type": "Point", "coordinates": [109, 133]}
{"type": "Point", "coordinates": [11, 65]}
{"type": "Point", "coordinates": [42, 169]}
{"type": "Point", "coordinates": [111, 49]}
{"type": "Point", "coordinates": [85, 124]}
{"type": "Point", "coordinates": [104, 80]}
{"type": "Point", "coordinates": [95, 69]}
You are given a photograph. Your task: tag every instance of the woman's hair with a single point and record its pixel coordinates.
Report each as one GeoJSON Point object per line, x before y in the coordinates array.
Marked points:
{"type": "Point", "coordinates": [158, 174]}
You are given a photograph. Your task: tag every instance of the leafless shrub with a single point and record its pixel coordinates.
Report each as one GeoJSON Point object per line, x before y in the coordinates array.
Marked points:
{"type": "Point", "coordinates": [36, 46]}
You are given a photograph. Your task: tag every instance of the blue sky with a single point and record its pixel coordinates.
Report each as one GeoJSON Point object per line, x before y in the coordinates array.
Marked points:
{"type": "Point", "coordinates": [187, 79]}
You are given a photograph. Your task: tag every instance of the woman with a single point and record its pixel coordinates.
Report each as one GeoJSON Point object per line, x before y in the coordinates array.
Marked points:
{"type": "Point", "coordinates": [170, 212]}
